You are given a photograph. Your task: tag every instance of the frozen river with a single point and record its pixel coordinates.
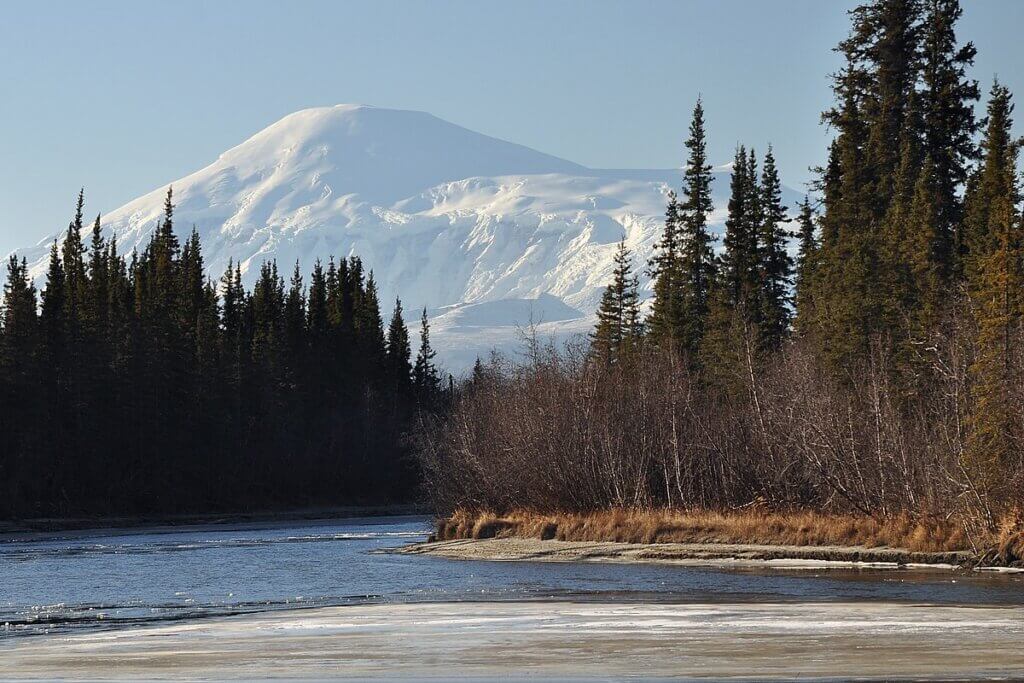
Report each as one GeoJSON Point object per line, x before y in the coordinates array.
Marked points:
{"type": "Point", "coordinates": [326, 599]}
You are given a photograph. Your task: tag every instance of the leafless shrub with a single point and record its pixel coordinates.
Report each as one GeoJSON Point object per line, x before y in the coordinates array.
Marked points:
{"type": "Point", "coordinates": [565, 433]}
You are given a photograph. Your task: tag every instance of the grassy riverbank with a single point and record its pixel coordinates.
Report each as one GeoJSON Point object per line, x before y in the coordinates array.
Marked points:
{"type": "Point", "coordinates": [914, 539]}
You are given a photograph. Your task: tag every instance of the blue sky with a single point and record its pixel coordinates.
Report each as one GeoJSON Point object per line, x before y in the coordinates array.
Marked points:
{"type": "Point", "coordinates": [122, 97]}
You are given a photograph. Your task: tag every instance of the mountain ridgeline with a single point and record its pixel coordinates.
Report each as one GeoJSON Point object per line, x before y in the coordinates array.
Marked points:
{"type": "Point", "coordinates": [880, 372]}
{"type": "Point", "coordinates": [140, 386]}
{"type": "Point", "coordinates": [444, 216]}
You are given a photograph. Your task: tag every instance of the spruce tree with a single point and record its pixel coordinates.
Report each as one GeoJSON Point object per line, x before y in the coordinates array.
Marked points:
{"type": "Point", "coordinates": [995, 283]}
{"type": "Point", "coordinates": [739, 260]}
{"type": "Point", "coordinates": [776, 266]}
{"type": "Point", "coordinates": [618, 331]}
{"type": "Point", "coordinates": [928, 254]}
{"type": "Point", "coordinates": [295, 316]}
{"type": "Point", "coordinates": [806, 264]}
{"type": "Point", "coordinates": [478, 374]}
{"type": "Point", "coordinates": [875, 95]}
{"type": "Point", "coordinates": [425, 377]}
{"type": "Point", "coordinates": [753, 212]}
{"type": "Point", "coordinates": [316, 310]}
{"type": "Point", "coordinates": [991, 181]}
{"type": "Point", "coordinates": [19, 323]}
{"type": "Point", "coordinates": [948, 98]}
{"type": "Point", "coordinates": [886, 36]}
{"type": "Point", "coordinates": [399, 351]}
{"type": "Point", "coordinates": [18, 318]}
{"type": "Point", "coordinates": [696, 258]}
{"type": "Point", "coordinates": [98, 280]}
{"type": "Point", "coordinates": [665, 323]}
{"type": "Point", "coordinates": [848, 299]}
{"type": "Point", "coordinates": [335, 283]}
{"type": "Point", "coordinates": [233, 328]}
{"type": "Point", "coordinates": [268, 321]}
{"type": "Point", "coordinates": [22, 470]}
{"type": "Point", "coordinates": [72, 256]}
{"type": "Point", "coordinates": [898, 246]}
{"type": "Point", "coordinates": [733, 317]}
{"type": "Point", "coordinates": [54, 309]}
{"type": "Point", "coordinates": [369, 327]}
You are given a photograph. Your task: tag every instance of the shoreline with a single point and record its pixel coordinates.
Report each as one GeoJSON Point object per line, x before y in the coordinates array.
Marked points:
{"type": "Point", "coordinates": [743, 536]}
{"type": "Point", "coordinates": [43, 528]}
{"type": "Point", "coordinates": [730, 555]}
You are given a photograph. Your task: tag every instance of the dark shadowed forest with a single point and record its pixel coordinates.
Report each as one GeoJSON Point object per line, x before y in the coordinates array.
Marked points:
{"type": "Point", "coordinates": [138, 385]}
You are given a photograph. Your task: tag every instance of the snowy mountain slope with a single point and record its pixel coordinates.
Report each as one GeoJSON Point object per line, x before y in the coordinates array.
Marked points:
{"type": "Point", "coordinates": [465, 332]}
{"type": "Point", "coordinates": [442, 215]}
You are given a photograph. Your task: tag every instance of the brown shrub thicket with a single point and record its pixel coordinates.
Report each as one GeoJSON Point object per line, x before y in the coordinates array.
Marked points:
{"type": "Point", "coordinates": [563, 433]}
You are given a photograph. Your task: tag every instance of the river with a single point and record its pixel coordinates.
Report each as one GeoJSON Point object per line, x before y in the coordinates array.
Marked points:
{"type": "Point", "coordinates": [112, 580]}
{"type": "Point", "coordinates": [62, 586]}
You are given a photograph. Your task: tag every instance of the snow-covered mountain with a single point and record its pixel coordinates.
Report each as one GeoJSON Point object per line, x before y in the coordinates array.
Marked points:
{"type": "Point", "coordinates": [487, 234]}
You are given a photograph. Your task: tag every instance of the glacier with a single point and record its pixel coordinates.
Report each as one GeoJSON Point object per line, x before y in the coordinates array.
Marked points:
{"type": "Point", "coordinates": [491, 237]}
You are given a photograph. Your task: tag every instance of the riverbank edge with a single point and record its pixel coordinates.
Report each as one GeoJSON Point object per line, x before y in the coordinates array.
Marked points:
{"type": "Point", "coordinates": [754, 534]}
{"type": "Point", "coordinates": [27, 529]}
{"type": "Point", "coordinates": [514, 549]}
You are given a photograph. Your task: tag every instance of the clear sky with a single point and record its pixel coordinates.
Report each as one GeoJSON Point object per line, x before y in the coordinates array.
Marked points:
{"type": "Point", "coordinates": [123, 96]}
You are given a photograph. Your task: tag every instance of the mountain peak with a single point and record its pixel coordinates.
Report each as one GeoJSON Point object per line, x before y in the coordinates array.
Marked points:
{"type": "Point", "coordinates": [442, 214]}
{"type": "Point", "coordinates": [382, 155]}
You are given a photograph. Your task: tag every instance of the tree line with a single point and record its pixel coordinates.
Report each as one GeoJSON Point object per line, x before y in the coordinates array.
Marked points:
{"type": "Point", "coordinates": [139, 385]}
{"type": "Point", "coordinates": [879, 368]}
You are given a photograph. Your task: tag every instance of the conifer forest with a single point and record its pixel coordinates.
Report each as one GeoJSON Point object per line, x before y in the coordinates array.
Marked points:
{"type": "Point", "coordinates": [859, 353]}
{"type": "Point", "coordinates": [138, 386]}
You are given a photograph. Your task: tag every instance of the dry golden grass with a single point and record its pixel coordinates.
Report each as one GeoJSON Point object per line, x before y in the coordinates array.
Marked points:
{"type": "Point", "coordinates": [752, 526]}
{"type": "Point", "coordinates": [1009, 546]}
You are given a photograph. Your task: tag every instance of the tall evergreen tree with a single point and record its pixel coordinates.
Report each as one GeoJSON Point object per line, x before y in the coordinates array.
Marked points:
{"type": "Point", "coordinates": [399, 351]}
{"type": "Point", "coordinates": [776, 266]}
{"type": "Point", "coordinates": [618, 331]}
{"type": "Point", "coordinates": [72, 256]}
{"type": "Point", "coordinates": [806, 264]}
{"type": "Point", "coordinates": [22, 467]}
{"type": "Point", "coordinates": [696, 256]}
{"type": "Point", "coordinates": [97, 273]}
{"type": "Point", "coordinates": [886, 37]}
{"type": "Point", "coordinates": [268, 321]}
{"type": "Point", "coordinates": [730, 341]}
{"type": "Point", "coordinates": [666, 321]}
{"type": "Point", "coordinates": [991, 181]}
{"type": "Point", "coordinates": [18, 317]}
{"type": "Point", "coordinates": [233, 330]}
{"type": "Point", "coordinates": [739, 264]}
{"type": "Point", "coordinates": [370, 331]}
{"type": "Point", "coordinates": [948, 98]}
{"type": "Point", "coordinates": [425, 377]}
{"type": "Point", "coordinates": [295, 316]}
{"type": "Point", "coordinates": [54, 310]}
{"type": "Point", "coordinates": [316, 310]}
{"type": "Point", "coordinates": [849, 302]}
{"type": "Point", "coordinates": [928, 255]}
{"type": "Point", "coordinates": [996, 286]}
